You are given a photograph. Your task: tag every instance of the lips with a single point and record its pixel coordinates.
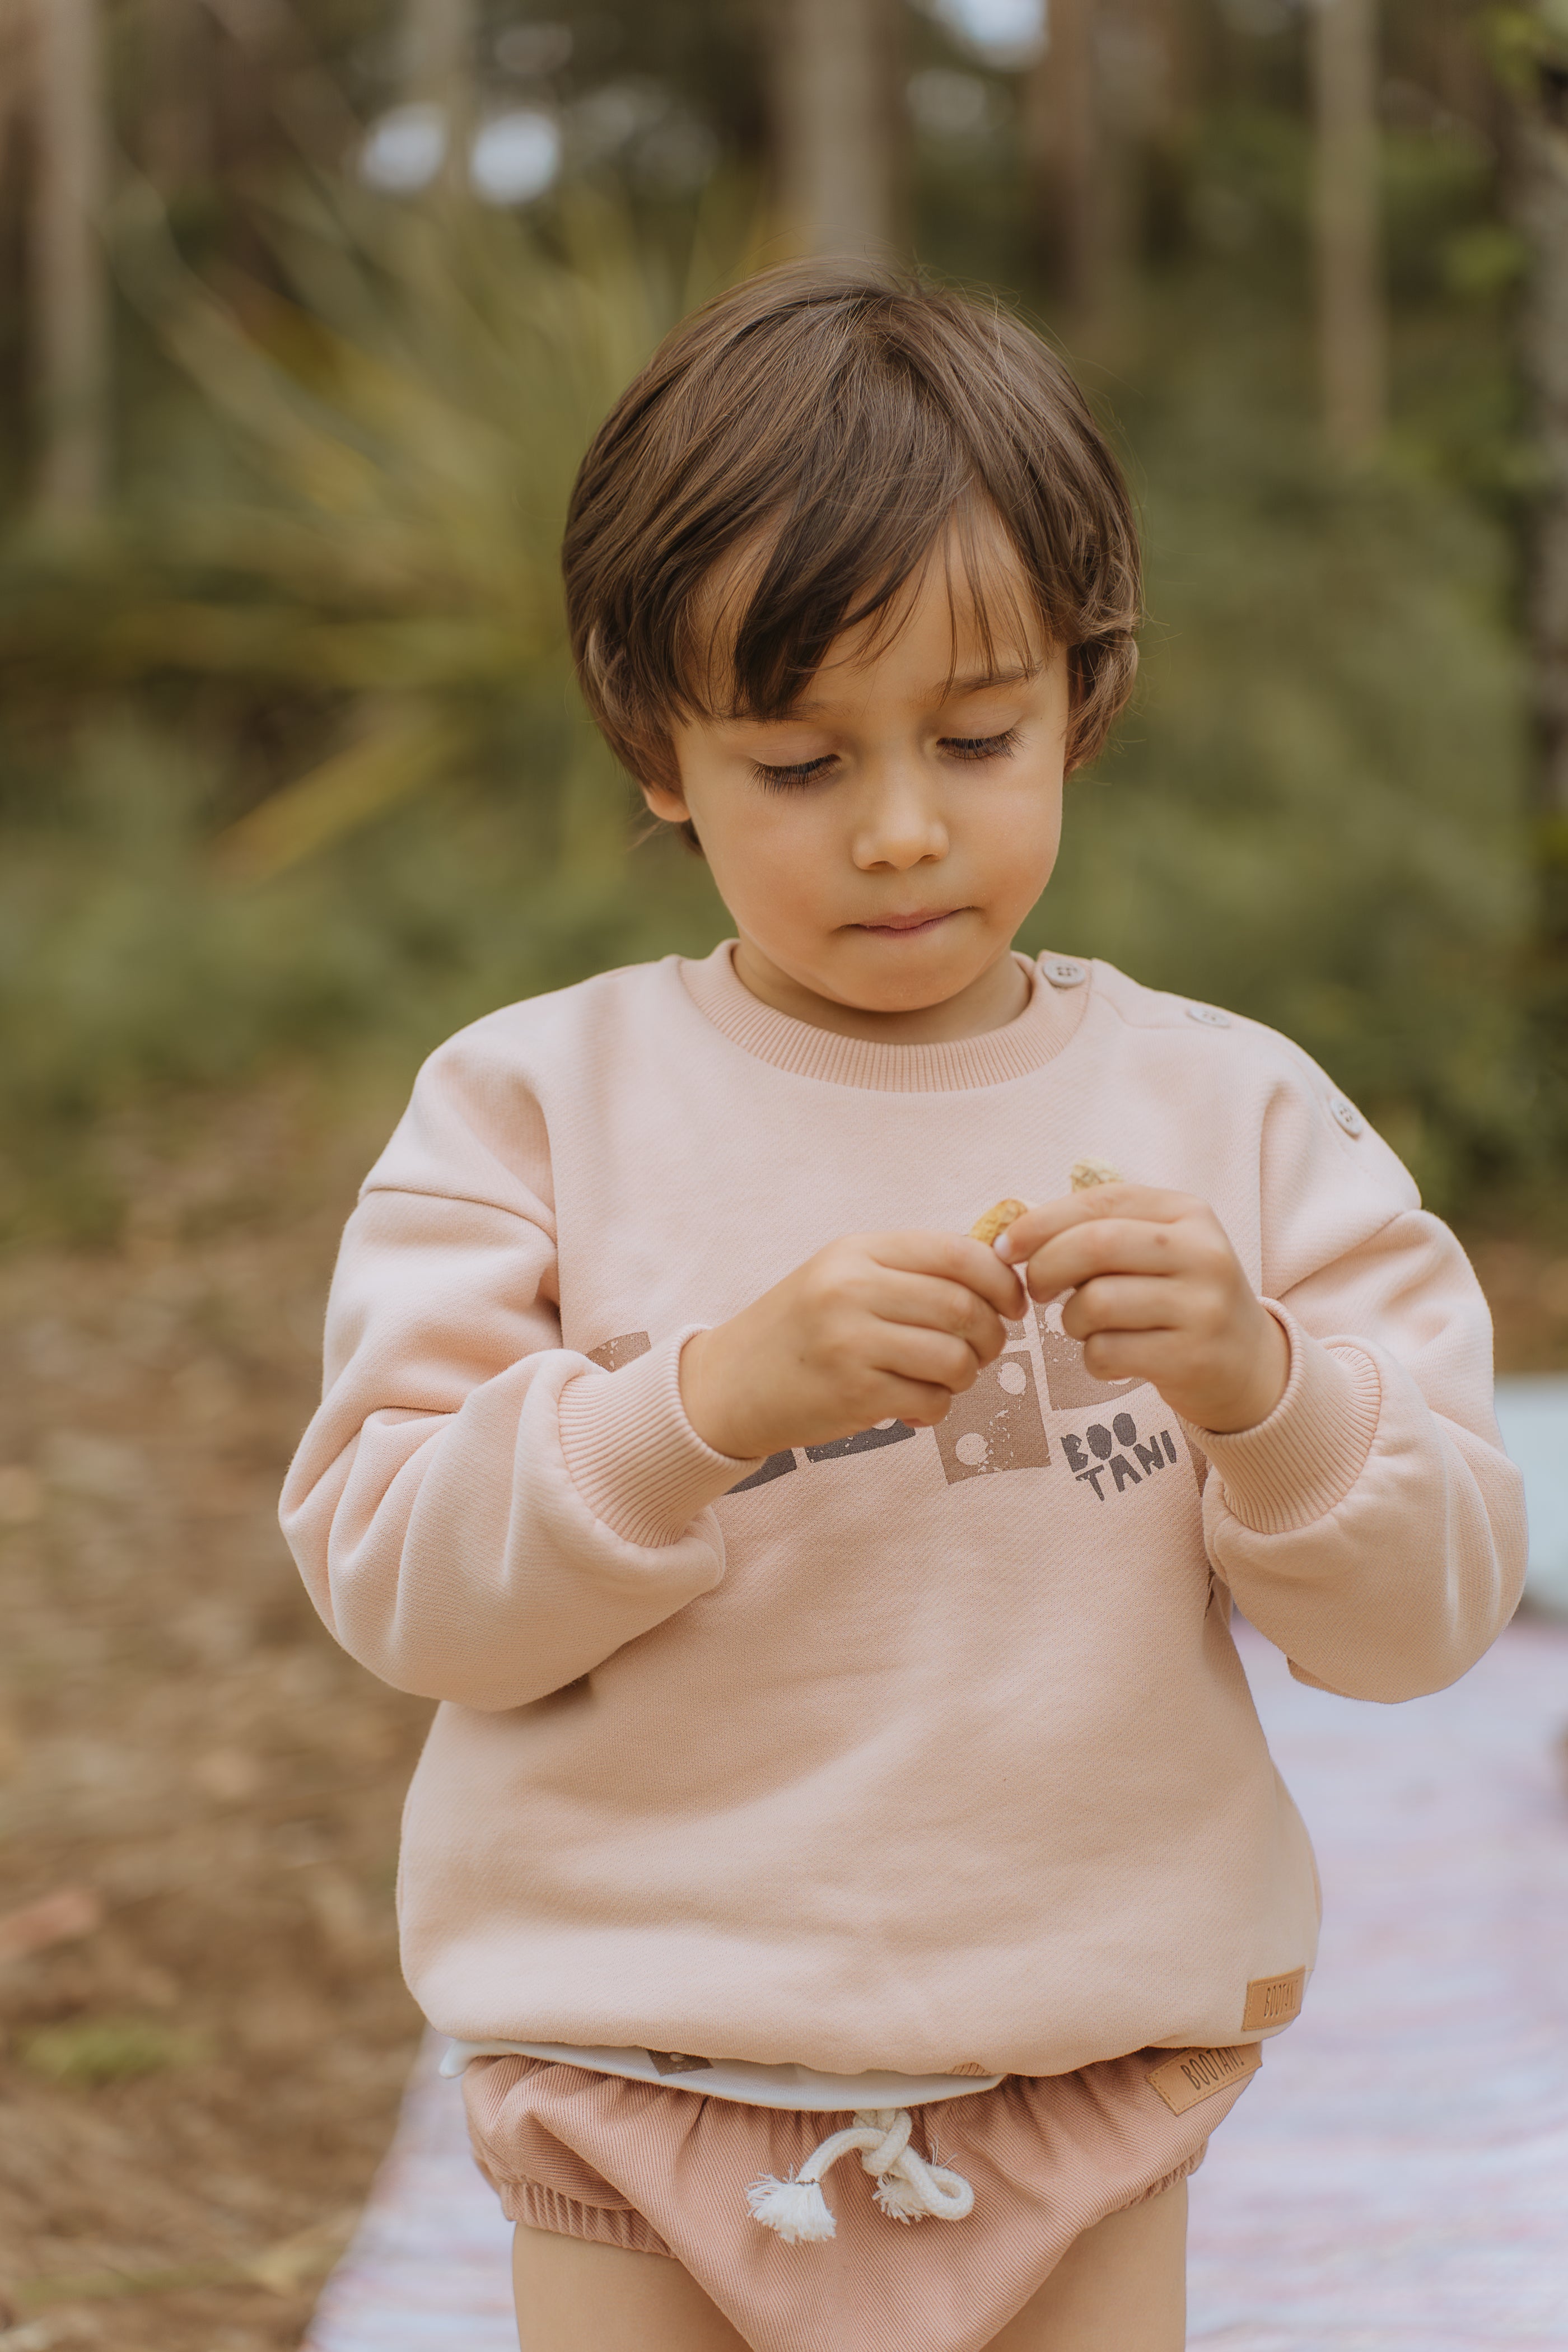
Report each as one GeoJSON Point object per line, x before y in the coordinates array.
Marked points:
{"type": "Point", "coordinates": [903, 923]}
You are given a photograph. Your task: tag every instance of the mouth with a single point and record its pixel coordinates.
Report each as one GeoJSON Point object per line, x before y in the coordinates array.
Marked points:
{"type": "Point", "coordinates": [907, 925]}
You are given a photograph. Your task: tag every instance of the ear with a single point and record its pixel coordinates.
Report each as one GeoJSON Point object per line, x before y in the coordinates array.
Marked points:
{"type": "Point", "coordinates": [665, 803]}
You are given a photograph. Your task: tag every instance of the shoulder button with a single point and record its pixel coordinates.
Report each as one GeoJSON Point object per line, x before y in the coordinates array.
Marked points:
{"type": "Point", "coordinates": [1210, 1015]}
{"type": "Point", "coordinates": [1063, 971]}
{"type": "Point", "coordinates": [1349, 1117]}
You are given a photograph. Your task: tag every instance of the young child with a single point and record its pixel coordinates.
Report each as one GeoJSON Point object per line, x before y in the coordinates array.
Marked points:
{"type": "Point", "coordinates": [845, 1854]}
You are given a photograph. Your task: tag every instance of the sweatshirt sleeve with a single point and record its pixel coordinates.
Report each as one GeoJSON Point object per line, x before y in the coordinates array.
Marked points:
{"type": "Point", "coordinates": [480, 1513]}
{"type": "Point", "coordinates": [1373, 1527]}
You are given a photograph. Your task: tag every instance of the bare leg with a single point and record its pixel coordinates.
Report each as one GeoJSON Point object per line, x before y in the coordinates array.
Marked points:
{"type": "Point", "coordinates": [1122, 2287]}
{"type": "Point", "coordinates": [574, 2296]}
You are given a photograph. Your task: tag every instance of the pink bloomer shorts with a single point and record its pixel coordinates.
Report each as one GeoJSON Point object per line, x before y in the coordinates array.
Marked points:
{"type": "Point", "coordinates": [664, 2171]}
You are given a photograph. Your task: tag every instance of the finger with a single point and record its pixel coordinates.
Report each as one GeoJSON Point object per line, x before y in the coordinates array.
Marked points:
{"type": "Point", "coordinates": [1114, 1302]}
{"type": "Point", "coordinates": [1158, 1356]}
{"type": "Point", "coordinates": [1115, 1246]}
{"type": "Point", "coordinates": [920, 1404]}
{"type": "Point", "coordinates": [932, 1358]}
{"type": "Point", "coordinates": [935, 1304]}
{"type": "Point", "coordinates": [955, 1256]}
{"type": "Point", "coordinates": [1143, 1201]}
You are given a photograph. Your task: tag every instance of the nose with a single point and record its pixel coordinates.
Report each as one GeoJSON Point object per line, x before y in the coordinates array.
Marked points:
{"type": "Point", "coordinates": [900, 825]}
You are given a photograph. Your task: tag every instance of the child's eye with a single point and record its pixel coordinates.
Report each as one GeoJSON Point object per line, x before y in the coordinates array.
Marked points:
{"type": "Point", "coordinates": [804, 771]}
{"type": "Point", "coordinates": [980, 747]}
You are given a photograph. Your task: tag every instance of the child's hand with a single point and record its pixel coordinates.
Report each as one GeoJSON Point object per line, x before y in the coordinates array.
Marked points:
{"type": "Point", "coordinates": [1159, 1294]}
{"type": "Point", "coordinates": [880, 1326]}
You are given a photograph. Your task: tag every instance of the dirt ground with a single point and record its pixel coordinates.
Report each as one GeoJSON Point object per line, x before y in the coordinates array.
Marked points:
{"type": "Point", "coordinates": [216, 2069]}
{"type": "Point", "coordinates": [194, 2091]}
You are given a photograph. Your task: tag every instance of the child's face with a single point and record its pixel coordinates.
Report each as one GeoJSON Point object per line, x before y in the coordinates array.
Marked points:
{"type": "Point", "coordinates": [881, 845]}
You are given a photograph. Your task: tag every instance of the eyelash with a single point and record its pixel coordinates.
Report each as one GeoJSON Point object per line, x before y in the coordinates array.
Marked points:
{"type": "Point", "coordinates": [967, 748]}
{"type": "Point", "coordinates": [983, 746]}
{"type": "Point", "coordinates": [782, 780]}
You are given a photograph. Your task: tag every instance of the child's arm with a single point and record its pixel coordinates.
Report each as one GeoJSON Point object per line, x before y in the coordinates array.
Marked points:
{"type": "Point", "coordinates": [1360, 1507]}
{"type": "Point", "coordinates": [450, 1537]}
{"type": "Point", "coordinates": [1373, 1527]}
{"type": "Point", "coordinates": [480, 1514]}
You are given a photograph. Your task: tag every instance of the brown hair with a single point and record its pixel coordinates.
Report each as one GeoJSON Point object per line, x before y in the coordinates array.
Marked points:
{"type": "Point", "coordinates": [840, 419]}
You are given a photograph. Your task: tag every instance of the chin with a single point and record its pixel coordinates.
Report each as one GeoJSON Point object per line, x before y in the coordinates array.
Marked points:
{"type": "Point", "coordinates": [906, 991]}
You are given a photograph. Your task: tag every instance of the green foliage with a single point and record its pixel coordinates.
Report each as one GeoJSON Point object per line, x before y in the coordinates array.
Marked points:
{"type": "Point", "coordinates": [101, 2050]}
{"type": "Point", "coordinates": [294, 758]}
{"type": "Point", "coordinates": [360, 517]}
{"type": "Point", "coordinates": [134, 972]}
{"type": "Point", "coordinates": [294, 771]}
{"type": "Point", "coordinates": [1315, 812]}
{"type": "Point", "coordinates": [1521, 41]}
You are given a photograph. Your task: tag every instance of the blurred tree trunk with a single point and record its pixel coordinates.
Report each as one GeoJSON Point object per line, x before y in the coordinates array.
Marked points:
{"type": "Point", "coordinates": [1184, 40]}
{"type": "Point", "coordinates": [263, 102]}
{"type": "Point", "coordinates": [439, 38]}
{"type": "Point", "coordinates": [1539, 175]}
{"type": "Point", "coordinates": [1352, 330]}
{"type": "Point", "coordinates": [176, 70]}
{"type": "Point", "coordinates": [1141, 68]}
{"type": "Point", "coordinates": [16, 70]}
{"type": "Point", "coordinates": [1460, 76]}
{"type": "Point", "coordinates": [1062, 148]}
{"type": "Point", "coordinates": [838, 106]}
{"type": "Point", "coordinates": [71, 298]}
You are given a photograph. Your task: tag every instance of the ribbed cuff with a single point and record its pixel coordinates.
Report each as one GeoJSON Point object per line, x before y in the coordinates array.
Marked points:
{"type": "Point", "coordinates": [633, 1456]}
{"type": "Point", "coordinates": [1301, 1462]}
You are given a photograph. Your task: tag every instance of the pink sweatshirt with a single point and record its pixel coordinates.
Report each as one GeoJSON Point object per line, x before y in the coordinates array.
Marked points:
{"type": "Point", "coordinates": [924, 1750]}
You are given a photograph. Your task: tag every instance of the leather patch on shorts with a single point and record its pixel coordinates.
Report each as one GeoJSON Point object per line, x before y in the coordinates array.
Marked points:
{"type": "Point", "coordinates": [678, 2062]}
{"type": "Point", "coordinates": [1273, 2000]}
{"type": "Point", "coordinates": [1190, 2076]}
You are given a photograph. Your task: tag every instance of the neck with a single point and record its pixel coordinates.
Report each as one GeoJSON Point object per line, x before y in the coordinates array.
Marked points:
{"type": "Point", "coordinates": [994, 997]}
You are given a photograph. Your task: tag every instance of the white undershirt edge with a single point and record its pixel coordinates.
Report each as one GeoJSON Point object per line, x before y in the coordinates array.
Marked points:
{"type": "Point", "coordinates": [737, 2078]}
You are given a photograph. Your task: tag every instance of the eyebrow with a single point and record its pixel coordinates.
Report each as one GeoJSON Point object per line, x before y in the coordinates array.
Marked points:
{"type": "Point", "coordinates": [978, 680]}
{"type": "Point", "coordinates": [952, 691]}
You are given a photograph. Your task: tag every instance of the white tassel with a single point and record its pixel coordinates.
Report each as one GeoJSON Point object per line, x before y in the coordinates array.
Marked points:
{"type": "Point", "coordinates": [797, 2210]}
{"type": "Point", "coordinates": [899, 2198]}
{"type": "Point", "coordinates": [907, 2190]}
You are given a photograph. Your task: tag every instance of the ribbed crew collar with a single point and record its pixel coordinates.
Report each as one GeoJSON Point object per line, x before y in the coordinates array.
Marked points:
{"type": "Point", "coordinates": [1045, 1024]}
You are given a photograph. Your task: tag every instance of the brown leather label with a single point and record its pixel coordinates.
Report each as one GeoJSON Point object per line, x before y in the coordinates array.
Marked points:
{"type": "Point", "coordinates": [1189, 2076]}
{"type": "Point", "coordinates": [625, 1349]}
{"type": "Point", "coordinates": [678, 2062]}
{"type": "Point", "coordinates": [1273, 2000]}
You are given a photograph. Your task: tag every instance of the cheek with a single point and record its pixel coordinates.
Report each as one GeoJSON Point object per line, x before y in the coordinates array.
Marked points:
{"type": "Point", "coordinates": [1026, 833]}
{"type": "Point", "coordinates": [767, 853]}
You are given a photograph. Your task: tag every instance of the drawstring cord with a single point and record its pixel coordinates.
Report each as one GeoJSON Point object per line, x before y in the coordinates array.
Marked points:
{"type": "Point", "coordinates": [908, 2188]}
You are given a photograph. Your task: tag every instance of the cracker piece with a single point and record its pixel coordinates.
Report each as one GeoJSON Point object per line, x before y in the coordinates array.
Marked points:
{"type": "Point", "coordinates": [996, 1221]}
{"type": "Point", "coordinates": [1085, 1174]}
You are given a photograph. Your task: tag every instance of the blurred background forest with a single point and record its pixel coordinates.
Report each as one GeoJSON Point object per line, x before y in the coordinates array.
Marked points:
{"type": "Point", "coordinates": [310, 307]}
